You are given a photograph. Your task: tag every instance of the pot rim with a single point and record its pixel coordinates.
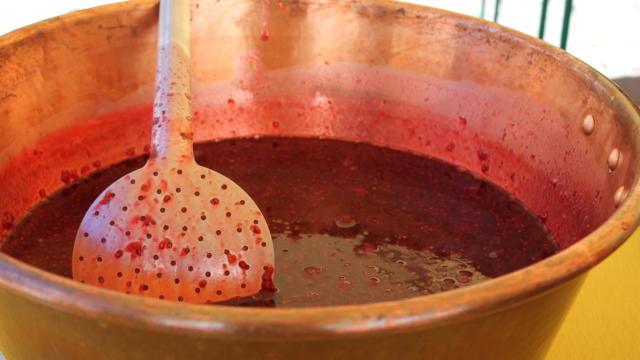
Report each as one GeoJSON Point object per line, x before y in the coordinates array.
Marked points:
{"type": "Point", "coordinates": [400, 315]}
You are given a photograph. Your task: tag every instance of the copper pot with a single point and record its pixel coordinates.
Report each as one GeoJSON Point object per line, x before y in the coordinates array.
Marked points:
{"type": "Point", "coordinates": [529, 103]}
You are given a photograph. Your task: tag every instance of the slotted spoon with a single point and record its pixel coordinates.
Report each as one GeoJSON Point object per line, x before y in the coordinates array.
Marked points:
{"type": "Point", "coordinates": [174, 230]}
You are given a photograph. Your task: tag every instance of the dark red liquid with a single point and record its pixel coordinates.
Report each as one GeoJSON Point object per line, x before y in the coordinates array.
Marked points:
{"type": "Point", "coordinates": [352, 223]}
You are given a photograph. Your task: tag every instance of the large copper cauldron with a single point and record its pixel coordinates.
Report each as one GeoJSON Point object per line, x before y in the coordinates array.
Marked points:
{"type": "Point", "coordinates": [562, 138]}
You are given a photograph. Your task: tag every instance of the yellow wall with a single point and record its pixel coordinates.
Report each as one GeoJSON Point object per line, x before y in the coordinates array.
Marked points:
{"type": "Point", "coordinates": [604, 322]}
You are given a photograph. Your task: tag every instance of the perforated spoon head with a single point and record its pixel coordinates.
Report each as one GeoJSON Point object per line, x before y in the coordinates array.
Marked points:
{"type": "Point", "coordinates": [175, 231]}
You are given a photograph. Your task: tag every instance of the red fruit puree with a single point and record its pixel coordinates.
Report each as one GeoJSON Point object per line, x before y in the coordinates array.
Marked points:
{"type": "Point", "coordinates": [352, 223]}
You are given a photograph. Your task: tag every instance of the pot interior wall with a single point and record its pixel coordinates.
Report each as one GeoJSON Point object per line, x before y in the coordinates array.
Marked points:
{"type": "Point", "coordinates": [75, 96]}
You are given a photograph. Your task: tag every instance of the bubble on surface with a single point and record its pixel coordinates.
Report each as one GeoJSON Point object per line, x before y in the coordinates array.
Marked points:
{"type": "Point", "coordinates": [345, 221]}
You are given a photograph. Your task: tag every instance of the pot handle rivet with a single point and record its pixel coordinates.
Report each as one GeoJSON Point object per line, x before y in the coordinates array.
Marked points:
{"type": "Point", "coordinates": [614, 159]}
{"type": "Point", "coordinates": [588, 125]}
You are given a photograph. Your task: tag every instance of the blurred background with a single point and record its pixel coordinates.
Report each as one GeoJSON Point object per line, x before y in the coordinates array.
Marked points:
{"type": "Point", "coordinates": [603, 34]}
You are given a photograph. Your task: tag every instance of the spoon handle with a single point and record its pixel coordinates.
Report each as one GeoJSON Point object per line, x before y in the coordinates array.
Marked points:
{"type": "Point", "coordinates": [172, 135]}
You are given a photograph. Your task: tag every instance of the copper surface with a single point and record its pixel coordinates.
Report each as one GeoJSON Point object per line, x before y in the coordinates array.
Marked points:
{"type": "Point", "coordinates": [521, 98]}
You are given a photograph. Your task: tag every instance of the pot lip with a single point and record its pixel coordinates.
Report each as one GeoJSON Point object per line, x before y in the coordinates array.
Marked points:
{"type": "Point", "coordinates": [435, 310]}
